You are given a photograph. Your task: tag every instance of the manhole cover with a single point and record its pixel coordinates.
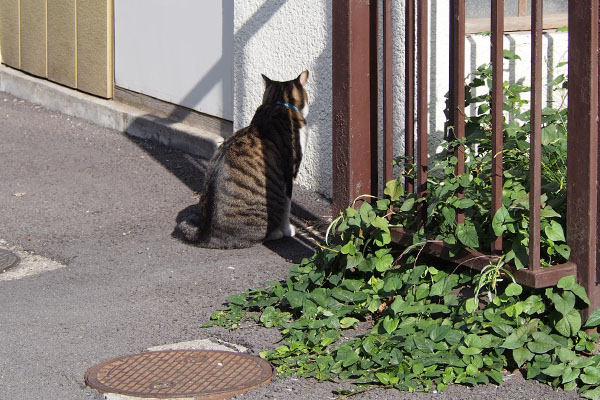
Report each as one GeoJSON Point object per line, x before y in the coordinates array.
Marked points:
{"type": "Point", "coordinates": [8, 259]}
{"type": "Point", "coordinates": [203, 374]}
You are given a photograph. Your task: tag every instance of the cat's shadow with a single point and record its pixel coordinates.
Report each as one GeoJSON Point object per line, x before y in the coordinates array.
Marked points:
{"type": "Point", "coordinates": [292, 249]}
{"type": "Point", "coordinates": [190, 170]}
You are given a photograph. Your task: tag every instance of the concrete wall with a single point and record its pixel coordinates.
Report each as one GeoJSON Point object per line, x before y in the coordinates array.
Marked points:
{"type": "Point", "coordinates": [177, 51]}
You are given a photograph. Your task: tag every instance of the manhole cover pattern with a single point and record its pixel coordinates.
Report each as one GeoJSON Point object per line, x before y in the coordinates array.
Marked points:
{"type": "Point", "coordinates": [180, 373]}
{"type": "Point", "coordinates": [8, 259]}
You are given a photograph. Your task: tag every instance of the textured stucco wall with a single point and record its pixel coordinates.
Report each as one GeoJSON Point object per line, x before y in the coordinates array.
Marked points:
{"type": "Point", "coordinates": [281, 38]}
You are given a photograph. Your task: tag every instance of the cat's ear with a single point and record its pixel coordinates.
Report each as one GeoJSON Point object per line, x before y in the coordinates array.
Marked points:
{"type": "Point", "coordinates": [267, 80]}
{"type": "Point", "coordinates": [302, 78]}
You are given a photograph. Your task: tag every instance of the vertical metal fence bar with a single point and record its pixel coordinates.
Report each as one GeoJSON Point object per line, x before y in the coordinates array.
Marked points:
{"type": "Point", "coordinates": [535, 160]}
{"type": "Point", "coordinates": [458, 89]}
{"type": "Point", "coordinates": [497, 46]}
{"type": "Point", "coordinates": [409, 116]}
{"type": "Point", "coordinates": [422, 120]}
{"type": "Point", "coordinates": [388, 98]}
{"type": "Point", "coordinates": [374, 93]}
{"type": "Point", "coordinates": [352, 119]}
{"type": "Point", "coordinates": [582, 149]}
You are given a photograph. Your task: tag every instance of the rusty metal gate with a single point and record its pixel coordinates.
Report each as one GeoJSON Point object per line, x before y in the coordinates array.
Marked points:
{"type": "Point", "coordinates": [356, 129]}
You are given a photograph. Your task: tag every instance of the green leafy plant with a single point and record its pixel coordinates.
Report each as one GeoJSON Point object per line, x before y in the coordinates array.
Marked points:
{"type": "Point", "coordinates": [413, 328]}
{"type": "Point", "coordinates": [364, 310]}
{"type": "Point", "coordinates": [443, 201]}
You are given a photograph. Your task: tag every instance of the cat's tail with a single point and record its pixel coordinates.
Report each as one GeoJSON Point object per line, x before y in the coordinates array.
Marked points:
{"type": "Point", "coordinates": [191, 228]}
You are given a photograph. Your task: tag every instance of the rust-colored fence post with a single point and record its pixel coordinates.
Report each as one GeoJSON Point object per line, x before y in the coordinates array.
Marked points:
{"type": "Point", "coordinates": [354, 106]}
{"type": "Point", "coordinates": [496, 56]}
{"type": "Point", "coordinates": [582, 150]}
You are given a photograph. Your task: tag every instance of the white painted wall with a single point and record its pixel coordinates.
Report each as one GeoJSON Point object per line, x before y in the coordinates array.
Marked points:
{"type": "Point", "coordinates": [178, 51]}
{"type": "Point", "coordinates": [281, 38]}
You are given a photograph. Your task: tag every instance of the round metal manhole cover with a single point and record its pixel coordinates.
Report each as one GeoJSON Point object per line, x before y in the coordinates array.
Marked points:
{"type": "Point", "coordinates": [8, 259]}
{"type": "Point", "coordinates": [203, 374]}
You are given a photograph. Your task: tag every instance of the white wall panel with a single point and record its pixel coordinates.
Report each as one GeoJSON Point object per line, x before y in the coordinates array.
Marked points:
{"type": "Point", "coordinates": [178, 51]}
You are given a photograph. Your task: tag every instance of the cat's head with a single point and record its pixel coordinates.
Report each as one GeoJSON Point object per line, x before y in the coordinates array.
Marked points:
{"type": "Point", "coordinates": [291, 92]}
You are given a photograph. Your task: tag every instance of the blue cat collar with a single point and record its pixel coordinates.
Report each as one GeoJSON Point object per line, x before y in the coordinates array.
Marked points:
{"type": "Point", "coordinates": [288, 105]}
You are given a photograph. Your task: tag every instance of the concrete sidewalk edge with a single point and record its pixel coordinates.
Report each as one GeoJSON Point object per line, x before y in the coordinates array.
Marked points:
{"type": "Point", "coordinates": [109, 113]}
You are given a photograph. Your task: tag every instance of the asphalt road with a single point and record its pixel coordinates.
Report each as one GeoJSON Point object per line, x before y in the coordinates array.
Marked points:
{"type": "Point", "coordinates": [102, 206]}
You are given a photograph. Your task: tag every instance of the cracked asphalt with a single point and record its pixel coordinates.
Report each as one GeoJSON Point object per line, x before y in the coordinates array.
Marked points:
{"type": "Point", "coordinates": [103, 206]}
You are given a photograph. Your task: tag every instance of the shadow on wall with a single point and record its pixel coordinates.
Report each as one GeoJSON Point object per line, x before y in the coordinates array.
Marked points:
{"type": "Point", "coordinates": [316, 167]}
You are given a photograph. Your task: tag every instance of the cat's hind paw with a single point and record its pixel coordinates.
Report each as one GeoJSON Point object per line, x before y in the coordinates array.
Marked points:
{"type": "Point", "coordinates": [289, 230]}
{"type": "Point", "coordinates": [275, 235]}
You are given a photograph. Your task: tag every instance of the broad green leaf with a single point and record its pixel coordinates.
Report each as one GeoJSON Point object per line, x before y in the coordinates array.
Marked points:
{"type": "Point", "coordinates": [349, 248]}
{"type": "Point", "coordinates": [384, 263]}
{"type": "Point", "coordinates": [542, 343]}
{"type": "Point", "coordinates": [593, 319]}
{"type": "Point", "coordinates": [439, 333]}
{"type": "Point", "coordinates": [347, 322]}
{"type": "Point", "coordinates": [548, 212]}
{"type": "Point", "coordinates": [566, 355]}
{"type": "Point", "coordinates": [565, 303]}
{"type": "Point", "coordinates": [449, 215]}
{"type": "Point", "coordinates": [394, 189]}
{"type": "Point", "coordinates": [554, 232]}
{"type": "Point", "coordinates": [468, 236]}
{"type": "Point", "coordinates": [295, 298]}
{"type": "Point", "coordinates": [513, 289]}
{"type": "Point", "coordinates": [381, 223]}
{"type": "Point", "coordinates": [383, 204]}
{"type": "Point", "coordinates": [498, 221]}
{"type": "Point", "coordinates": [347, 355]}
{"type": "Point", "coordinates": [554, 370]}
{"type": "Point", "coordinates": [510, 55]}
{"type": "Point", "coordinates": [522, 355]}
{"type": "Point", "coordinates": [495, 375]}
{"type": "Point", "coordinates": [398, 304]}
{"type": "Point", "coordinates": [366, 212]}
{"type": "Point", "coordinates": [418, 368]}
{"type": "Point", "coordinates": [513, 341]}
{"type": "Point", "coordinates": [564, 250]}
{"type": "Point", "coordinates": [568, 283]}
{"type": "Point", "coordinates": [473, 340]}
{"type": "Point", "coordinates": [342, 294]}
{"type": "Point", "coordinates": [370, 346]}
{"type": "Point", "coordinates": [238, 299]}
{"type": "Point", "coordinates": [408, 204]}
{"type": "Point", "coordinates": [390, 324]}
{"type": "Point", "coordinates": [471, 305]}
{"type": "Point", "coordinates": [590, 375]}
{"type": "Point", "coordinates": [469, 351]}
{"type": "Point", "coordinates": [464, 203]}
{"type": "Point", "coordinates": [424, 344]}
{"type": "Point", "coordinates": [593, 394]}
{"type": "Point", "coordinates": [569, 374]}
{"type": "Point", "coordinates": [570, 324]}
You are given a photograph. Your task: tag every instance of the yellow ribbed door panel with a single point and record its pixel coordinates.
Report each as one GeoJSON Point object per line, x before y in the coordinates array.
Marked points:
{"type": "Point", "coordinates": [9, 32]}
{"type": "Point", "coordinates": [33, 37]}
{"type": "Point", "coordinates": [95, 47]}
{"type": "Point", "coordinates": [62, 42]}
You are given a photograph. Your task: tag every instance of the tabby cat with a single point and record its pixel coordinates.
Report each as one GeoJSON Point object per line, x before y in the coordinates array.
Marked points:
{"type": "Point", "coordinates": [248, 188]}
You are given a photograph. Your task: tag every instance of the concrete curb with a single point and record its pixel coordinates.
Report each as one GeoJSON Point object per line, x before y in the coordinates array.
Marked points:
{"type": "Point", "coordinates": [109, 113]}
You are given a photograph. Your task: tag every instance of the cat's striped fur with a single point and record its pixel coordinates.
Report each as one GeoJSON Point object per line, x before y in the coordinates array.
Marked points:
{"type": "Point", "coordinates": [248, 187]}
